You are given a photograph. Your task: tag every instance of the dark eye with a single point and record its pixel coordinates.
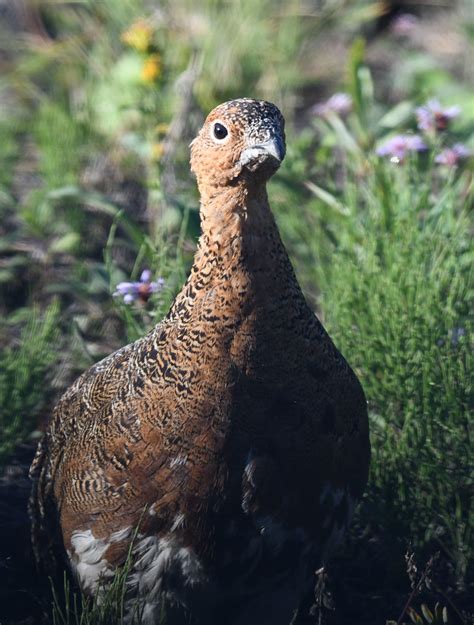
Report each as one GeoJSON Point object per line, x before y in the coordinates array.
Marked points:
{"type": "Point", "coordinates": [220, 131]}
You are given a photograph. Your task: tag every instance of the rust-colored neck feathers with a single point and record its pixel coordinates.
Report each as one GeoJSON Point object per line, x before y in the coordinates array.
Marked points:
{"type": "Point", "coordinates": [238, 149]}
{"type": "Point", "coordinates": [237, 215]}
{"type": "Point", "coordinates": [240, 255]}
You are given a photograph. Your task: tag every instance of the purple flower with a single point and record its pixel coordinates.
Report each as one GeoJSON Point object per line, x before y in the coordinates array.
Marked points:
{"type": "Point", "coordinates": [451, 156]}
{"type": "Point", "coordinates": [132, 291]}
{"type": "Point", "coordinates": [397, 147]}
{"type": "Point", "coordinates": [432, 116]}
{"type": "Point", "coordinates": [339, 103]}
{"type": "Point", "coordinates": [404, 24]}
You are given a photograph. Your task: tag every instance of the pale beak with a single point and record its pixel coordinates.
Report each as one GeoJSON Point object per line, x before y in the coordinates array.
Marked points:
{"type": "Point", "coordinates": [274, 148]}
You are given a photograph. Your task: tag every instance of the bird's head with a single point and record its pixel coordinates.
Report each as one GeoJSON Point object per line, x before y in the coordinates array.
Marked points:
{"type": "Point", "coordinates": [240, 139]}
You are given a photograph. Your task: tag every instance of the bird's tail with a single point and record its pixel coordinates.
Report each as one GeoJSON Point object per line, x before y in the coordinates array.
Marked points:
{"type": "Point", "coordinates": [43, 519]}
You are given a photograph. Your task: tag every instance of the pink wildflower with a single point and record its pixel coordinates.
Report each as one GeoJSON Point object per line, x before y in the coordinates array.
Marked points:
{"type": "Point", "coordinates": [132, 291]}
{"type": "Point", "coordinates": [339, 103]}
{"type": "Point", "coordinates": [398, 146]}
{"type": "Point", "coordinates": [432, 116]}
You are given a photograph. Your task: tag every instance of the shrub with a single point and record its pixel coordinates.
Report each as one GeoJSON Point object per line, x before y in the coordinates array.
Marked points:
{"type": "Point", "coordinates": [396, 299]}
{"type": "Point", "coordinates": [396, 291]}
{"type": "Point", "coordinates": [24, 368]}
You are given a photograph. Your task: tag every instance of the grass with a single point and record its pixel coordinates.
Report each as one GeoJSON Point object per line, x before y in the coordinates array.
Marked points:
{"type": "Point", "coordinates": [106, 608]}
{"type": "Point", "coordinates": [398, 301]}
{"type": "Point", "coordinates": [25, 367]}
{"type": "Point", "coordinates": [94, 187]}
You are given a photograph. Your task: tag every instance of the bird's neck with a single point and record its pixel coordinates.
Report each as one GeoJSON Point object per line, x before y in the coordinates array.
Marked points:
{"type": "Point", "coordinates": [230, 212]}
{"type": "Point", "coordinates": [240, 255]}
{"type": "Point", "coordinates": [239, 233]}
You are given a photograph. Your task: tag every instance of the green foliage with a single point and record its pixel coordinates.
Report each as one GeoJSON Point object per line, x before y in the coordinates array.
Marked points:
{"type": "Point", "coordinates": [106, 608]}
{"type": "Point", "coordinates": [437, 616]}
{"type": "Point", "coordinates": [9, 154]}
{"type": "Point", "coordinates": [425, 616]}
{"type": "Point", "coordinates": [96, 114]}
{"type": "Point", "coordinates": [61, 142]}
{"type": "Point", "coordinates": [168, 262]}
{"type": "Point", "coordinates": [397, 292]}
{"type": "Point", "coordinates": [25, 367]}
{"type": "Point", "coordinates": [109, 605]}
{"type": "Point", "coordinates": [396, 296]}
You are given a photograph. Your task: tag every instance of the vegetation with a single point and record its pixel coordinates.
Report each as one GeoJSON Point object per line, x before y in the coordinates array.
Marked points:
{"type": "Point", "coordinates": [98, 102]}
{"type": "Point", "coordinates": [23, 372]}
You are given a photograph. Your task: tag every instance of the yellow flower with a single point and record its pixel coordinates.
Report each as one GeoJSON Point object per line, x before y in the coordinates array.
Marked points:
{"type": "Point", "coordinates": [139, 36]}
{"type": "Point", "coordinates": [151, 69]}
{"type": "Point", "coordinates": [162, 128]}
{"type": "Point", "coordinates": [157, 151]}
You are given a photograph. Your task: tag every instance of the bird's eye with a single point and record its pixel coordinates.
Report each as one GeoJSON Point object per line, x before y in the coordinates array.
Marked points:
{"type": "Point", "coordinates": [220, 131]}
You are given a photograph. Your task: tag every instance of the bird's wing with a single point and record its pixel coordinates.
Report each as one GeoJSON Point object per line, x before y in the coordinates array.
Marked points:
{"type": "Point", "coordinates": [83, 402]}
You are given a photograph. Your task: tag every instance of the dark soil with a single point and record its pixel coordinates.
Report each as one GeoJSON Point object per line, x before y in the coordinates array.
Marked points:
{"type": "Point", "coordinates": [22, 593]}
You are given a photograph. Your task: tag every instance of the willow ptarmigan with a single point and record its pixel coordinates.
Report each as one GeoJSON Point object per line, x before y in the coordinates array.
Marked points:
{"type": "Point", "coordinates": [234, 435]}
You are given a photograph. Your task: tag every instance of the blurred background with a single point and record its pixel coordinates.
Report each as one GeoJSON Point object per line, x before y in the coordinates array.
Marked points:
{"type": "Point", "coordinates": [99, 222]}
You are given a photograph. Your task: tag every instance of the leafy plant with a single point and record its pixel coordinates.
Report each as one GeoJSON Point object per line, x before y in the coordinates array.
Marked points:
{"type": "Point", "coordinates": [25, 365]}
{"type": "Point", "coordinates": [396, 295]}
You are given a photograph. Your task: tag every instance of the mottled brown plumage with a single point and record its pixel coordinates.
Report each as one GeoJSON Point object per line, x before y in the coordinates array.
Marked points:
{"type": "Point", "coordinates": [234, 434]}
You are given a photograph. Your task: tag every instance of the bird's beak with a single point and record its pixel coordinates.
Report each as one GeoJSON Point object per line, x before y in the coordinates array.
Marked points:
{"type": "Point", "coordinates": [274, 148]}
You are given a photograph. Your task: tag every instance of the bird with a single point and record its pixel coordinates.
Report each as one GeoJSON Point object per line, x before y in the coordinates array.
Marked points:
{"type": "Point", "coordinates": [223, 452]}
